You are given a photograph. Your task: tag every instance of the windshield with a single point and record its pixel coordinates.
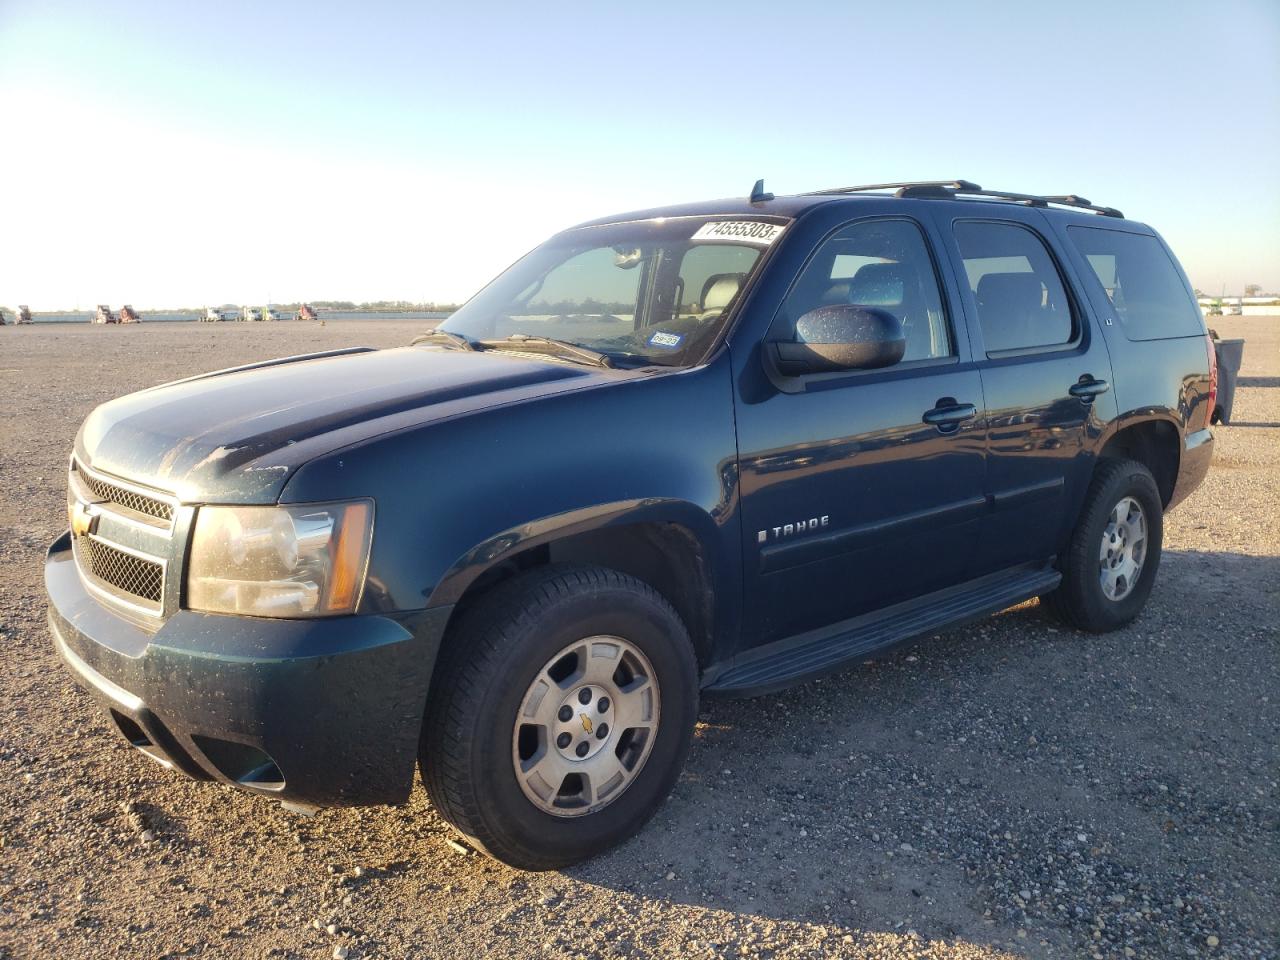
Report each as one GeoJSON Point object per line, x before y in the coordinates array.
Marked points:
{"type": "Point", "coordinates": [647, 292]}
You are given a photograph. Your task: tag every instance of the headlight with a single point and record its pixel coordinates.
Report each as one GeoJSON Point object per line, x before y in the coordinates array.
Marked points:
{"type": "Point", "coordinates": [296, 560]}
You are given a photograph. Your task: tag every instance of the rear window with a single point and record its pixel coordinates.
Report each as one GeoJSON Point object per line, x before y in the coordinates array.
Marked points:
{"type": "Point", "coordinates": [1141, 281]}
{"type": "Point", "coordinates": [1019, 296]}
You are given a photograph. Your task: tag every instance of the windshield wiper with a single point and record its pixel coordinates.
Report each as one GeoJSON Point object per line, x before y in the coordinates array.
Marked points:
{"type": "Point", "coordinates": [457, 339]}
{"type": "Point", "coordinates": [564, 348]}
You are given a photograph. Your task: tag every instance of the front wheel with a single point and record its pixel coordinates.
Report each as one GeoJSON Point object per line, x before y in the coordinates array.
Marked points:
{"type": "Point", "coordinates": [1110, 563]}
{"type": "Point", "coordinates": [560, 715]}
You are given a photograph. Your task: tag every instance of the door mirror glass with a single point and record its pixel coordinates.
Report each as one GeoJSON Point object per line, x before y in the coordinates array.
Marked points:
{"type": "Point", "coordinates": [842, 337]}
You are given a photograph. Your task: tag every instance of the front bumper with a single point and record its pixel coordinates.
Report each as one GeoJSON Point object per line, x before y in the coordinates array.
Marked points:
{"type": "Point", "coordinates": [1193, 465]}
{"type": "Point", "coordinates": [322, 712]}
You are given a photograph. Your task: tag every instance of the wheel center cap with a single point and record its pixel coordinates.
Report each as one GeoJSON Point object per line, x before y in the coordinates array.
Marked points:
{"type": "Point", "coordinates": [584, 722]}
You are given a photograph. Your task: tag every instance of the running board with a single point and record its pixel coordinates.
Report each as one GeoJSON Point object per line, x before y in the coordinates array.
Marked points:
{"type": "Point", "coordinates": [818, 652]}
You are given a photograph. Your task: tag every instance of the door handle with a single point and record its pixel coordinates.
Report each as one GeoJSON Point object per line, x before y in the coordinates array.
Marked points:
{"type": "Point", "coordinates": [948, 415]}
{"type": "Point", "coordinates": [1087, 388]}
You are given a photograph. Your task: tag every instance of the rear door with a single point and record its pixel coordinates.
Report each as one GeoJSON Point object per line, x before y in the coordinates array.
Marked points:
{"type": "Point", "coordinates": [1046, 375]}
{"type": "Point", "coordinates": [850, 500]}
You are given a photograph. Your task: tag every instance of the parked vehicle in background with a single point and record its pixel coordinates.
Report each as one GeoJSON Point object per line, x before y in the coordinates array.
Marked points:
{"type": "Point", "coordinates": [714, 449]}
{"type": "Point", "coordinates": [305, 312]}
{"type": "Point", "coordinates": [259, 313]}
{"type": "Point", "coordinates": [104, 314]}
{"type": "Point", "coordinates": [24, 314]}
{"type": "Point", "coordinates": [129, 315]}
{"type": "Point", "coordinates": [3, 321]}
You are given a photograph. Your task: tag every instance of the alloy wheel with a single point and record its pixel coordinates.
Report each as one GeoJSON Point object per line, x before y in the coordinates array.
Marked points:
{"type": "Point", "coordinates": [586, 726]}
{"type": "Point", "coordinates": [1123, 550]}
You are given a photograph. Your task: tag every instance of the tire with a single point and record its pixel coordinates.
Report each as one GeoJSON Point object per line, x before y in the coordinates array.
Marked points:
{"type": "Point", "coordinates": [1081, 600]}
{"type": "Point", "coordinates": [492, 663]}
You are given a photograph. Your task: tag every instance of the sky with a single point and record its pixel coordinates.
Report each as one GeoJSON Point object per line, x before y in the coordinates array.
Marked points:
{"type": "Point", "coordinates": [172, 154]}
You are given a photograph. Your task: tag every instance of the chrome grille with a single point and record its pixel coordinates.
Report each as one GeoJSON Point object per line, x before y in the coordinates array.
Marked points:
{"type": "Point", "coordinates": [130, 499]}
{"type": "Point", "coordinates": [125, 539]}
{"type": "Point", "coordinates": [135, 576]}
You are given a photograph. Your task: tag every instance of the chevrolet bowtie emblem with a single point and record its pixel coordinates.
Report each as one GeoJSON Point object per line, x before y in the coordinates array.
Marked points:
{"type": "Point", "coordinates": [82, 521]}
{"type": "Point", "coordinates": [586, 722]}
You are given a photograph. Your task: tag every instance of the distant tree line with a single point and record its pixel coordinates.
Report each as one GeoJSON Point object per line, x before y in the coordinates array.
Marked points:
{"type": "Point", "coordinates": [1250, 290]}
{"type": "Point", "coordinates": [588, 307]}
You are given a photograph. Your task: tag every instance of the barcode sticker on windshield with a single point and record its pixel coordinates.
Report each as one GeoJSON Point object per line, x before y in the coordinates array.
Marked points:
{"type": "Point", "coordinates": [740, 231]}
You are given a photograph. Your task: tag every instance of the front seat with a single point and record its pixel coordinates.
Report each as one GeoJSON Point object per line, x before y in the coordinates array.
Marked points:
{"type": "Point", "coordinates": [889, 286]}
{"type": "Point", "coordinates": [718, 292]}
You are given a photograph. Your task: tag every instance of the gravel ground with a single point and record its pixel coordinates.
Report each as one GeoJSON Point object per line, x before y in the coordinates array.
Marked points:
{"type": "Point", "coordinates": [1009, 789]}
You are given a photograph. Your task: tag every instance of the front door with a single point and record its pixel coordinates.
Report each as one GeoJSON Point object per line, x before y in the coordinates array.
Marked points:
{"type": "Point", "coordinates": [866, 488]}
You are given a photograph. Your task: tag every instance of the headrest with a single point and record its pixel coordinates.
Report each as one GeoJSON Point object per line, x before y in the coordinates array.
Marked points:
{"type": "Point", "coordinates": [878, 285]}
{"type": "Point", "coordinates": [1010, 291]}
{"type": "Point", "coordinates": [720, 289]}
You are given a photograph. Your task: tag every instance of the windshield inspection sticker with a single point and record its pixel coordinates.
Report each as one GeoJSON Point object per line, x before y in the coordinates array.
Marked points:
{"type": "Point", "coordinates": [661, 338]}
{"type": "Point", "coordinates": [740, 231]}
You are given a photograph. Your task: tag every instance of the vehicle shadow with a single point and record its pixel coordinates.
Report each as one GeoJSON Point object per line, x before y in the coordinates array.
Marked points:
{"type": "Point", "coordinates": [1258, 382]}
{"type": "Point", "coordinates": [1252, 423]}
{"type": "Point", "coordinates": [923, 791]}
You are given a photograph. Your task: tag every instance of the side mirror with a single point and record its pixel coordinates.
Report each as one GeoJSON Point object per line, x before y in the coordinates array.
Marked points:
{"type": "Point", "coordinates": [842, 336]}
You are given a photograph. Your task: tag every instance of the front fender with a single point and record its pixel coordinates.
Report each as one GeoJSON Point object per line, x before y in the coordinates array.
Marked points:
{"type": "Point", "coordinates": [455, 496]}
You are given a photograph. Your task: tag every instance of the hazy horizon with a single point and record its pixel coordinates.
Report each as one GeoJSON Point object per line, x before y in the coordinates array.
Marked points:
{"type": "Point", "coordinates": [163, 154]}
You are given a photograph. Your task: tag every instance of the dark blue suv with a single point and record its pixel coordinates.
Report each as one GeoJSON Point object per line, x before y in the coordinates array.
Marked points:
{"type": "Point", "coordinates": [711, 449]}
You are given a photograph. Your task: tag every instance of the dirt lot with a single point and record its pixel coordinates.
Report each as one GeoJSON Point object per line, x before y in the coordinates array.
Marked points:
{"type": "Point", "coordinates": [1012, 788]}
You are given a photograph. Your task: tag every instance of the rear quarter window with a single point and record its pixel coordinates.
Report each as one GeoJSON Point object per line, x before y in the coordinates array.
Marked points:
{"type": "Point", "coordinates": [1141, 281]}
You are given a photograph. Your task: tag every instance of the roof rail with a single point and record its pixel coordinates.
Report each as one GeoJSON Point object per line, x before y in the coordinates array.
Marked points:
{"type": "Point", "coordinates": [950, 189]}
{"type": "Point", "coordinates": [967, 185]}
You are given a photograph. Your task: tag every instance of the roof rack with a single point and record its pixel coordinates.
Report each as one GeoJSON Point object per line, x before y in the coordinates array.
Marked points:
{"type": "Point", "coordinates": [950, 189]}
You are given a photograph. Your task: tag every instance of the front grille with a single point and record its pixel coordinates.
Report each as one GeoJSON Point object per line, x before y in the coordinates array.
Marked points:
{"type": "Point", "coordinates": [131, 575]}
{"type": "Point", "coordinates": [130, 499]}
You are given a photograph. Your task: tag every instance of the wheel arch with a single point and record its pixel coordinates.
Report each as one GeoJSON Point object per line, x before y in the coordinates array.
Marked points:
{"type": "Point", "coordinates": [1154, 441]}
{"type": "Point", "coordinates": [666, 544]}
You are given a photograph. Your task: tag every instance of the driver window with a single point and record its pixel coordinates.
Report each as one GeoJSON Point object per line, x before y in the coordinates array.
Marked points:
{"type": "Point", "coordinates": [876, 263]}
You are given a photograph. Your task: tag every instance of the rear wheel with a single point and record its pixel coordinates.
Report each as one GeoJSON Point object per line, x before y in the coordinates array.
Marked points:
{"type": "Point", "coordinates": [560, 715]}
{"type": "Point", "coordinates": [1110, 563]}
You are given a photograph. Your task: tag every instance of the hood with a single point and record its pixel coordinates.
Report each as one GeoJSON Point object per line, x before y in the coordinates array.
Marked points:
{"type": "Point", "coordinates": [235, 436]}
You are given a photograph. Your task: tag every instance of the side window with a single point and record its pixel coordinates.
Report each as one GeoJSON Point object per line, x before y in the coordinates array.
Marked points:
{"type": "Point", "coordinates": [1016, 287]}
{"type": "Point", "coordinates": [1141, 282]}
{"type": "Point", "coordinates": [875, 263]}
